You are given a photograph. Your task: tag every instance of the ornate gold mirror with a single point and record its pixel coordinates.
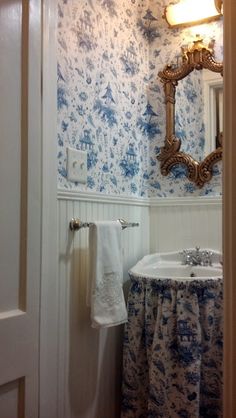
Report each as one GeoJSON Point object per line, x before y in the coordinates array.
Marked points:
{"type": "Point", "coordinates": [195, 57]}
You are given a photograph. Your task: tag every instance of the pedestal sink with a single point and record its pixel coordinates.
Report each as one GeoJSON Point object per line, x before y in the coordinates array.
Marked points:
{"type": "Point", "coordinates": [169, 265]}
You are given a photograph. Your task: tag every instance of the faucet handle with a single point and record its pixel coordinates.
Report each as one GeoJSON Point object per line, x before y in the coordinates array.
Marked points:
{"type": "Point", "coordinates": [210, 257]}
{"type": "Point", "coordinates": [183, 254]}
{"type": "Point", "coordinates": [207, 258]}
{"type": "Point", "coordinates": [186, 256]}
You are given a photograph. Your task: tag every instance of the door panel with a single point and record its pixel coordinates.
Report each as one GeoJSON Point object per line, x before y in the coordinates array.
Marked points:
{"type": "Point", "coordinates": [12, 397]}
{"type": "Point", "coordinates": [10, 155]}
{"type": "Point", "coordinates": [20, 206]}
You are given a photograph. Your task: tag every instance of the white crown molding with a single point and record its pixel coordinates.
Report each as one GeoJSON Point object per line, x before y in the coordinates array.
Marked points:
{"type": "Point", "coordinates": [138, 201]}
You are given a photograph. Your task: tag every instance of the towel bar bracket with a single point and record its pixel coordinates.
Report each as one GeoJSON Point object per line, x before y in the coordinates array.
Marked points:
{"type": "Point", "coordinates": [76, 224]}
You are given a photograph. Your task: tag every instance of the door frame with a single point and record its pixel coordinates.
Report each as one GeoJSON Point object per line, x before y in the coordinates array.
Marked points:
{"type": "Point", "coordinates": [229, 209]}
{"type": "Point", "coordinates": [49, 263]}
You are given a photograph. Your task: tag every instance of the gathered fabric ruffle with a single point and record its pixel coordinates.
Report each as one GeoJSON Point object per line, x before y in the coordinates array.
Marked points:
{"type": "Point", "coordinates": [173, 349]}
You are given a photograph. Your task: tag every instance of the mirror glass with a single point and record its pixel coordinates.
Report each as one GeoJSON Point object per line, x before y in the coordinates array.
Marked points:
{"type": "Point", "coordinates": [199, 109]}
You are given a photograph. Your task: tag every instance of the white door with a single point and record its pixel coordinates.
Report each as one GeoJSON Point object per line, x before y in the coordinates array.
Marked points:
{"type": "Point", "coordinates": [20, 211]}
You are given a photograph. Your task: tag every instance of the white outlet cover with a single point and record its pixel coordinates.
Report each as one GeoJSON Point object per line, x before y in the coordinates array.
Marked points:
{"type": "Point", "coordinates": [77, 165]}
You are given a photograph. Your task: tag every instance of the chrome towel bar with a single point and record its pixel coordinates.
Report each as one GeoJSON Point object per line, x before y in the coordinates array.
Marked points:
{"type": "Point", "coordinates": [76, 224]}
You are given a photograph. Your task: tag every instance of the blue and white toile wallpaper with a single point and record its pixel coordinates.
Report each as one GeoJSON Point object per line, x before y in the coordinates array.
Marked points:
{"type": "Point", "coordinates": [189, 114]}
{"type": "Point", "coordinates": [111, 102]}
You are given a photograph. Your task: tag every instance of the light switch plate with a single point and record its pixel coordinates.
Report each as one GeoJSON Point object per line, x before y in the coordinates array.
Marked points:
{"type": "Point", "coordinates": [76, 165]}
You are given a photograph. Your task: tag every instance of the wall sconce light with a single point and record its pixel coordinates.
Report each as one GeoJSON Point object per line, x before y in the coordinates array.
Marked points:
{"type": "Point", "coordinates": [193, 12]}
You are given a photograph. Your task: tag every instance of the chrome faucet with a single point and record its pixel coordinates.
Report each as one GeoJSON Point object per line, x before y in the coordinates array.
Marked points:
{"type": "Point", "coordinates": [197, 257]}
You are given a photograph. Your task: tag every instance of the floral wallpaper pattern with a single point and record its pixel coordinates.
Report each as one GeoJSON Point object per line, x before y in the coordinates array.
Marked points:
{"type": "Point", "coordinates": [111, 102]}
{"type": "Point", "coordinates": [189, 114]}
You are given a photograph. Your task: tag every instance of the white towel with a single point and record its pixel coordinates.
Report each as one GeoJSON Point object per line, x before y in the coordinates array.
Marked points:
{"type": "Point", "coordinates": [105, 286]}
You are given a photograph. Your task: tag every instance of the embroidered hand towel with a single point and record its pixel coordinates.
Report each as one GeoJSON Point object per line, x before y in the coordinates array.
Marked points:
{"type": "Point", "coordinates": [105, 286]}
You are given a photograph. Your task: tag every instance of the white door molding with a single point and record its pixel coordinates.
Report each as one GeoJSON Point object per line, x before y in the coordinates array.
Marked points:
{"type": "Point", "coordinates": [49, 284]}
{"type": "Point", "coordinates": [229, 209]}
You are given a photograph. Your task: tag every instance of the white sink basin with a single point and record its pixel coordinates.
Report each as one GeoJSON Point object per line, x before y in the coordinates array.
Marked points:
{"type": "Point", "coordinates": [168, 266]}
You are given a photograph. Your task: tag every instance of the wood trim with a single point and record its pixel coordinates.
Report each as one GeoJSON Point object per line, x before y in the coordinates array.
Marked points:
{"type": "Point", "coordinates": [24, 154]}
{"type": "Point", "coordinates": [229, 210]}
{"type": "Point", "coordinates": [127, 200]}
{"type": "Point", "coordinates": [49, 268]}
{"type": "Point", "coordinates": [186, 201]}
{"type": "Point", "coordinates": [21, 397]}
{"type": "Point", "coordinates": [101, 198]}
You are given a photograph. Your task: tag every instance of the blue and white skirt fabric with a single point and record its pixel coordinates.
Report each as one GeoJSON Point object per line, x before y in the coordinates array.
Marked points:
{"type": "Point", "coordinates": [173, 349]}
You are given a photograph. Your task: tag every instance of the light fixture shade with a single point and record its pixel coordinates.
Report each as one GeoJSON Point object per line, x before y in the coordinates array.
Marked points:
{"type": "Point", "coordinates": [193, 12]}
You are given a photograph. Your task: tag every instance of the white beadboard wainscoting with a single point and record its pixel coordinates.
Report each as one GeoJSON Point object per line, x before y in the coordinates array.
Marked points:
{"type": "Point", "coordinates": [178, 223]}
{"type": "Point", "coordinates": [90, 361]}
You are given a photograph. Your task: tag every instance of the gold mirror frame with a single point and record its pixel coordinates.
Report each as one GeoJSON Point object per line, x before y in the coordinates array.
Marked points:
{"type": "Point", "coordinates": [196, 56]}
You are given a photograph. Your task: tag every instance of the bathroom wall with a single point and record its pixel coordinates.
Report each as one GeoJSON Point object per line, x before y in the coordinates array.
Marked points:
{"type": "Point", "coordinates": [178, 223]}
{"type": "Point", "coordinates": [167, 49]}
{"type": "Point", "coordinates": [111, 102]}
{"type": "Point", "coordinates": [102, 108]}
{"type": "Point", "coordinates": [103, 77]}
{"type": "Point", "coordinates": [90, 360]}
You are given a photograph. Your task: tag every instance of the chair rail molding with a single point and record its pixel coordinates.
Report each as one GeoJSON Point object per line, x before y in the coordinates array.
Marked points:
{"type": "Point", "coordinates": [186, 201]}
{"type": "Point", "coordinates": [87, 196]}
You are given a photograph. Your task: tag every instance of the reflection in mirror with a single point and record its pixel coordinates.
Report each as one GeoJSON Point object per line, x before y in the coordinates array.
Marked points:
{"type": "Point", "coordinates": [194, 113]}
{"type": "Point", "coordinates": [213, 110]}
{"type": "Point", "coordinates": [199, 108]}
{"type": "Point", "coordinates": [189, 115]}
